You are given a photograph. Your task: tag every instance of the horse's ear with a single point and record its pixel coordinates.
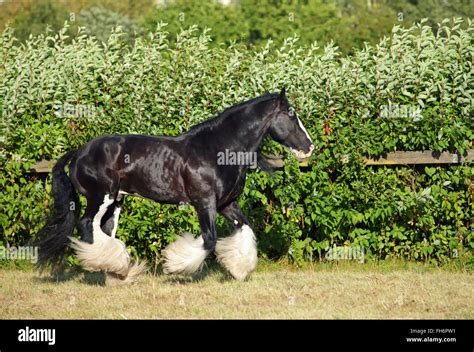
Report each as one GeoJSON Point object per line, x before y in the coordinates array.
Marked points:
{"type": "Point", "coordinates": [283, 94]}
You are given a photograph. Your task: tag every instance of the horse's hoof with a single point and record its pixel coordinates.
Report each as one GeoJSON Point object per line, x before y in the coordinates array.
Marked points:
{"type": "Point", "coordinates": [184, 256]}
{"type": "Point", "coordinates": [238, 253]}
{"type": "Point", "coordinates": [134, 270]}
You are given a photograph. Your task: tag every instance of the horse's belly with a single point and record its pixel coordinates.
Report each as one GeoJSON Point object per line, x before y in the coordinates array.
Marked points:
{"type": "Point", "coordinates": [157, 177]}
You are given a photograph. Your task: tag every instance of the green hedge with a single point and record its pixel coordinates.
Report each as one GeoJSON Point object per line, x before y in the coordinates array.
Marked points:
{"type": "Point", "coordinates": [154, 87]}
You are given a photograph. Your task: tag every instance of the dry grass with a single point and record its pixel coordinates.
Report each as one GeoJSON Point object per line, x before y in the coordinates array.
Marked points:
{"type": "Point", "coordinates": [274, 291]}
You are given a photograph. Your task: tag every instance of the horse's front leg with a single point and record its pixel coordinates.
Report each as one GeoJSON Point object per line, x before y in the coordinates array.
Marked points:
{"type": "Point", "coordinates": [186, 255]}
{"type": "Point", "coordinates": [207, 221]}
{"type": "Point", "coordinates": [237, 252]}
{"type": "Point", "coordinates": [234, 214]}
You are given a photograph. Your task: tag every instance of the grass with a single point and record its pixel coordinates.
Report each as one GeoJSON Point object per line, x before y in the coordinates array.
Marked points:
{"type": "Point", "coordinates": [392, 290]}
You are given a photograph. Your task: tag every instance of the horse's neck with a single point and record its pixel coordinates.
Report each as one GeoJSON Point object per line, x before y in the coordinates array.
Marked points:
{"type": "Point", "coordinates": [242, 131]}
{"type": "Point", "coordinates": [248, 132]}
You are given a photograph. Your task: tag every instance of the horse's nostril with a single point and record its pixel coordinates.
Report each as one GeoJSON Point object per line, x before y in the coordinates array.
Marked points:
{"type": "Point", "coordinates": [311, 147]}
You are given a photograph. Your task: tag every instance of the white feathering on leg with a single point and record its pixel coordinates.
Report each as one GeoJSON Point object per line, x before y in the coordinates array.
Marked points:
{"type": "Point", "coordinates": [238, 252]}
{"type": "Point", "coordinates": [104, 254]}
{"type": "Point", "coordinates": [107, 253]}
{"type": "Point", "coordinates": [185, 255]}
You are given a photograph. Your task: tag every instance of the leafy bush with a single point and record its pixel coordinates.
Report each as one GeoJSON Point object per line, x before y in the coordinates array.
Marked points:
{"type": "Point", "coordinates": [423, 213]}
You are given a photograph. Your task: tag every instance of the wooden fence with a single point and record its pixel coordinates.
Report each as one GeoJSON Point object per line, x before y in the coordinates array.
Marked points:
{"type": "Point", "coordinates": [394, 158]}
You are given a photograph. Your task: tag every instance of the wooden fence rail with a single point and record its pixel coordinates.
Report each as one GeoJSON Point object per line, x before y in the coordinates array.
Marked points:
{"type": "Point", "coordinates": [424, 157]}
{"type": "Point", "coordinates": [399, 158]}
{"type": "Point", "coordinates": [394, 158]}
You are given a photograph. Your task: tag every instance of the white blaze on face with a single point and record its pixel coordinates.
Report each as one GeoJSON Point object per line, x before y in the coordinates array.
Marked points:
{"type": "Point", "coordinates": [300, 154]}
{"type": "Point", "coordinates": [304, 130]}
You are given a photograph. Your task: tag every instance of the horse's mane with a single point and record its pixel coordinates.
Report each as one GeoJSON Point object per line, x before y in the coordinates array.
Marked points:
{"type": "Point", "coordinates": [216, 120]}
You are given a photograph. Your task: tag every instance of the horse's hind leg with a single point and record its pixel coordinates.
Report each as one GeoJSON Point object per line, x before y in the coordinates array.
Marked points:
{"type": "Point", "coordinates": [109, 222]}
{"type": "Point", "coordinates": [237, 252]}
{"type": "Point", "coordinates": [102, 253]}
{"type": "Point", "coordinates": [94, 204]}
{"type": "Point", "coordinates": [101, 191]}
{"type": "Point", "coordinates": [85, 224]}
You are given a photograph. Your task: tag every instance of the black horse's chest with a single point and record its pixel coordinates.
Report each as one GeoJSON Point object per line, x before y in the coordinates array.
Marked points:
{"type": "Point", "coordinates": [233, 185]}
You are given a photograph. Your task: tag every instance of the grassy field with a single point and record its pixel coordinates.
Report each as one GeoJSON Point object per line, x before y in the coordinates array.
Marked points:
{"type": "Point", "coordinates": [276, 290]}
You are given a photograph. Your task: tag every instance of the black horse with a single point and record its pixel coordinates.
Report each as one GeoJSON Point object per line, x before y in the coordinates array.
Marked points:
{"type": "Point", "coordinates": [205, 167]}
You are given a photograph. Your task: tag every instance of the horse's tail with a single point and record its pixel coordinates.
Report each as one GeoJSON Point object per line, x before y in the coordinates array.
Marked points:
{"type": "Point", "coordinates": [52, 240]}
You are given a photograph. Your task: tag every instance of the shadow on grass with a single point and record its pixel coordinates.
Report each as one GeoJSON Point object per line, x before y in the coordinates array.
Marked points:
{"type": "Point", "coordinates": [65, 275]}
{"type": "Point", "coordinates": [210, 269]}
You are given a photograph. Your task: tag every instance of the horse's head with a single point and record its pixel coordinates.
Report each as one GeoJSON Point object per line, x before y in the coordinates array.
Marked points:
{"type": "Point", "coordinates": [286, 128]}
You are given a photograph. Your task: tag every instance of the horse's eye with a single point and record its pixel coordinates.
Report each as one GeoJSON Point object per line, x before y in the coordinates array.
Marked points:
{"type": "Point", "coordinates": [291, 112]}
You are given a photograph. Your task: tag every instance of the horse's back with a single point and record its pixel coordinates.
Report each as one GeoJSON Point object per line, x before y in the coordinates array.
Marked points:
{"type": "Point", "coordinates": [111, 159]}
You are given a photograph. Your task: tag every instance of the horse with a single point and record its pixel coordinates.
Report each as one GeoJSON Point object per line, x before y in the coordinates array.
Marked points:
{"type": "Point", "coordinates": [205, 167]}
